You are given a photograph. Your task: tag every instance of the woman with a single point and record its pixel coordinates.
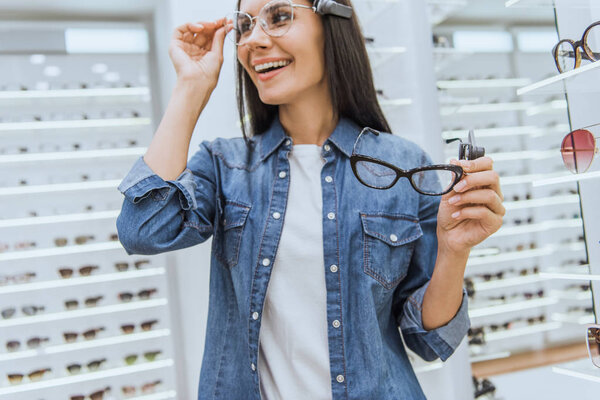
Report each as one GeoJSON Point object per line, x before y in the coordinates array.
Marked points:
{"type": "Point", "coordinates": [326, 270]}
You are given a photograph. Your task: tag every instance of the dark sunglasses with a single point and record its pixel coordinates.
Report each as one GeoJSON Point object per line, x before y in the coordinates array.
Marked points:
{"type": "Point", "coordinates": [27, 310]}
{"type": "Point", "coordinates": [142, 294]}
{"type": "Point", "coordinates": [86, 270]}
{"type": "Point", "coordinates": [149, 356]}
{"type": "Point", "coordinates": [124, 266]}
{"type": "Point", "coordinates": [33, 376]}
{"type": "Point", "coordinates": [578, 149]}
{"type": "Point", "coordinates": [149, 387]}
{"type": "Point", "coordinates": [146, 326]}
{"type": "Point", "coordinates": [33, 343]}
{"type": "Point", "coordinates": [87, 335]}
{"type": "Point", "coordinates": [91, 366]}
{"type": "Point", "coordinates": [97, 395]}
{"type": "Point", "coordinates": [89, 302]}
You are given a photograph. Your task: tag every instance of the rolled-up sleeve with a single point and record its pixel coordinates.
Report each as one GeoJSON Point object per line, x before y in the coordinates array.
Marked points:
{"type": "Point", "coordinates": [408, 298]}
{"type": "Point", "coordinates": [158, 215]}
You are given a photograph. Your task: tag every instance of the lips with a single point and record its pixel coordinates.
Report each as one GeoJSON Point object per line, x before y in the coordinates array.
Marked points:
{"type": "Point", "coordinates": [265, 76]}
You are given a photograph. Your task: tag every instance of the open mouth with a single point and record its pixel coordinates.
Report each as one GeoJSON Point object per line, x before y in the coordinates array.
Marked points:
{"type": "Point", "coordinates": [270, 67]}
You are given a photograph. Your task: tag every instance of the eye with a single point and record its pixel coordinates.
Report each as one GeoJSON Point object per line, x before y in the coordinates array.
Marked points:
{"type": "Point", "coordinates": [280, 17]}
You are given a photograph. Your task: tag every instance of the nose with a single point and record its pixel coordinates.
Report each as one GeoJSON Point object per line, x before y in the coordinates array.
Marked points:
{"type": "Point", "coordinates": [258, 37]}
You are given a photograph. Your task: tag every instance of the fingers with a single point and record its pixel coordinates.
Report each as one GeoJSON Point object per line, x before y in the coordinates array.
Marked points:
{"type": "Point", "coordinates": [219, 40]}
{"type": "Point", "coordinates": [482, 197]}
{"type": "Point", "coordinates": [190, 29]}
{"type": "Point", "coordinates": [489, 178]}
{"type": "Point", "coordinates": [488, 219]}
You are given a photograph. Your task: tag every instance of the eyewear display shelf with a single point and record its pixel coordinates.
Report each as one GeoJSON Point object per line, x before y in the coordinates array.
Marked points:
{"type": "Point", "coordinates": [78, 314]}
{"type": "Point", "coordinates": [519, 300]}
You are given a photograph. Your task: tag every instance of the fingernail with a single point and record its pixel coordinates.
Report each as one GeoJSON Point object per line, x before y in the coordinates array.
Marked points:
{"type": "Point", "coordinates": [453, 199]}
{"type": "Point", "coordinates": [460, 186]}
{"type": "Point", "coordinates": [456, 214]}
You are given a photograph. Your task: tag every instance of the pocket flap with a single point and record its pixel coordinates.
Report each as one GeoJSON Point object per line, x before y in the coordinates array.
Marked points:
{"type": "Point", "coordinates": [234, 215]}
{"type": "Point", "coordinates": [393, 229]}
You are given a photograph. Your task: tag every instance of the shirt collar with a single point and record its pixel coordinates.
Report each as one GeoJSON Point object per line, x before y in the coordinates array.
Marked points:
{"type": "Point", "coordinates": [343, 137]}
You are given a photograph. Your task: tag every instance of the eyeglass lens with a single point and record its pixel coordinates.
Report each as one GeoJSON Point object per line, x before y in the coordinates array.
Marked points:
{"type": "Point", "coordinates": [275, 18]}
{"type": "Point", "coordinates": [577, 150]}
{"type": "Point", "coordinates": [593, 335]}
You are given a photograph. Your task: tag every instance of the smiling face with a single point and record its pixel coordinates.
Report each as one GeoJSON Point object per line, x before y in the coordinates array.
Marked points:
{"type": "Point", "coordinates": [299, 53]}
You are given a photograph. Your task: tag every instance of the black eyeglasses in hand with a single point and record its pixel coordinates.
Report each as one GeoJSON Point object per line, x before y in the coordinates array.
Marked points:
{"type": "Point", "coordinates": [430, 180]}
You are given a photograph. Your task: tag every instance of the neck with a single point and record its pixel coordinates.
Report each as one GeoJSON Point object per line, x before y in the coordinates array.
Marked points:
{"type": "Point", "coordinates": [310, 120]}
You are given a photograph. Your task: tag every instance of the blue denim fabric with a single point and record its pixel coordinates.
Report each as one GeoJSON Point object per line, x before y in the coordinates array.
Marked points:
{"type": "Point", "coordinates": [375, 285]}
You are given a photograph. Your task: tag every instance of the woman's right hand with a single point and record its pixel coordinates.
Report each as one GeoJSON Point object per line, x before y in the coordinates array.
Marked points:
{"type": "Point", "coordinates": [196, 50]}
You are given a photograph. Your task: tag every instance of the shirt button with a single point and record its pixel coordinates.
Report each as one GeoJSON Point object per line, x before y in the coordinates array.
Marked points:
{"type": "Point", "coordinates": [333, 268]}
{"type": "Point", "coordinates": [393, 238]}
{"type": "Point", "coordinates": [327, 147]}
{"type": "Point", "coordinates": [276, 215]}
{"type": "Point", "coordinates": [328, 179]}
{"type": "Point", "coordinates": [340, 378]}
{"type": "Point", "coordinates": [255, 315]}
{"type": "Point", "coordinates": [287, 142]}
{"type": "Point", "coordinates": [266, 262]}
{"type": "Point", "coordinates": [336, 324]}
{"type": "Point", "coordinates": [331, 215]}
{"type": "Point", "coordinates": [282, 174]}
{"type": "Point", "coordinates": [253, 367]}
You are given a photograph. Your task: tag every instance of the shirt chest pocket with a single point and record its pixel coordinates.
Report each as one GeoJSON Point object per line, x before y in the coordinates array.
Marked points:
{"type": "Point", "coordinates": [389, 241]}
{"type": "Point", "coordinates": [227, 245]}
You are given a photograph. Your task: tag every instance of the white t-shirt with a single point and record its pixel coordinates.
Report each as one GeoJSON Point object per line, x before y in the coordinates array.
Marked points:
{"type": "Point", "coordinates": [293, 357]}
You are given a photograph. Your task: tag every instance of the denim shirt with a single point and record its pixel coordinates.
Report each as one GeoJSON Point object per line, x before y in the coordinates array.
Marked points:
{"type": "Point", "coordinates": [379, 247]}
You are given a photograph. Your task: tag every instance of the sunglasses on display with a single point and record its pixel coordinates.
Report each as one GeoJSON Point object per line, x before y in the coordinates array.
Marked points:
{"type": "Point", "coordinates": [146, 388]}
{"type": "Point", "coordinates": [27, 310]}
{"type": "Point", "coordinates": [142, 294]}
{"type": "Point", "coordinates": [17, 279]}
{"type": "Point", "coordinates": [276, 18]}
{"type": "Point", "coordinates": [578, 150]}
{"type": "Point", "coordinates": [378, 174]}
{"type": "Point", "coordinates": [97, 395]}
{"type": "Point", "coordinates": [33, 376]}
{"type": "Point", "coordinates": [568, 53]}
{"type": "Point", "coordinates": [62, 241]}
{"type": "Point", "coordinates": [91, 366]}
{"type": "Point", "coordinates": [146, 326]}
{"type": "Point", "coordinates": [33, 343]}
{"type": "Point", "coordinates": [149, 356]}
{"type": "Point", "coordinates": [89, 302]}
{"type": "Point", "coordinates": [86, 270]}
{"type": "Point", "coordinates": [124, 266]}
{"type": "Point", "coordinates": [90, 334]}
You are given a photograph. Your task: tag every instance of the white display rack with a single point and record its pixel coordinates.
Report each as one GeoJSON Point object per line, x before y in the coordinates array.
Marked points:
{"type": "Point", "coordinates": [508, 282]}
{"type": "Point", "coordinates": [555, 84]}
{"type": "Point", "coordinates": [59, 187]}
{"type": "Point", "coordinates": [510, 307]}
{"type": "Point", "coordinates": [548, 3]}
{"type": "Point", "coordinates": [564, 178]}
{"type": "Point", "coordinates": [11, 127]}
{"type": "Point", "coordinates": [573, 319]}
{"type": "Point", "coordinates": [583, 369]}
{"type": "Point", "coordinates": [74, 93]}
{"type": "Point", "coordinates": [471, 84]}
{"type": "Point", "coordinates": [59, 219]}
{"type": "Point", "coordinates": [72, 155]}
{"type": "Point", "coordinates": [543, 202]}
{"type": "Point", "coordinates": [544, 226]}
{"type": "Point", "coordinates": [522, 331]}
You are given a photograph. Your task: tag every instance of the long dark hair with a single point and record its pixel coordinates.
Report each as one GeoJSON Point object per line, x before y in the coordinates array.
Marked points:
{"type": "Point", "coordinates": [348, 71]}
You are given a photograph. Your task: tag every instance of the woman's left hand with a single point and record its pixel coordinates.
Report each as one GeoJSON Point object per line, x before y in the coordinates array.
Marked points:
{"type": "Point", "coordinates": [473, 210]}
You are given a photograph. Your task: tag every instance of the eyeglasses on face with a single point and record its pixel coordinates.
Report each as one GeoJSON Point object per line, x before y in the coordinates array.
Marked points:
{"type": "Point", "coordinates": [431, 180]}
{"type": "Point", "coordinates": [275, 19]}
{"type": "Point", "coordinates": [568, 55]}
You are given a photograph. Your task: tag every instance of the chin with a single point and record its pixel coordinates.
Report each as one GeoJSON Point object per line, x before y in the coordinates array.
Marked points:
{"type": "Point", "coordinates": [273, 99]}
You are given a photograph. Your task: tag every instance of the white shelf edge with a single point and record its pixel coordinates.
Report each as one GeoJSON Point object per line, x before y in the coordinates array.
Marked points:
{"type": "Point", "coordinates": [86, 312]}
{"type": "Point", "coordinates": [565, 179]}
{"type": "Point", "coordinates": [74, 93]}
{"type": "Point", "coordinates": [80, 281]}
{"type": "Point", "coordinates": [589, 371]}
{"type": "Point", "coordinates": [395, 102]}
{"type": "Point", "coordinates": [74, 124]}
{"type": "Point", "coordinates": [577, 320]}
{"type": "Point", "coordinates": [539, 227]}
{"type": "Point", "coordinates": [86, 377]}
{"type": "Point", "coordinates": [171, 394]}
{"type": "Point", "coordinates": [508, 282]}
{"type": "Point", "coordinates": [58, 219]}
{"type": "Point", "coordinates": [72, 155]}
{"type": "Point", "coordinates": [89, 344]}
{"type": "Point", "coordinates": [575, 277]}
{"type": "Point", "coordinates": [59, 187]}
{"type": "Point", "coordinates": [544, 201]}
{"type": "Point", "coordinates": [517, 332]}
{"type": "Point", "coordinates": [60, 251]}
{"type": "Point", "coordinates": [483, 83]}
{"type": "Point", "coordinates": [557, 78]}
{"type": "Point", "coordinates": [474, 358]}
{"type": "Point", "coordinates": [516, 306]}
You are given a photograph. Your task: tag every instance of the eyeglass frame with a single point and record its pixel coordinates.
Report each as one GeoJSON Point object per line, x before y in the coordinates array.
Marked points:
{"type": "Point", "coordinates": [253, 25]}
{"type": "Point", "coordinates": [585, 128]}
{"type": "Point", "coordinates": [591, 56]}
{"type": "Point", "coordinates": [400, 173]}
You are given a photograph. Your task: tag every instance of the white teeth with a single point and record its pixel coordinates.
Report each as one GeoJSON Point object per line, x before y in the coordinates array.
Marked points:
{"type": "Point", "coordinates": [262, 67]}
